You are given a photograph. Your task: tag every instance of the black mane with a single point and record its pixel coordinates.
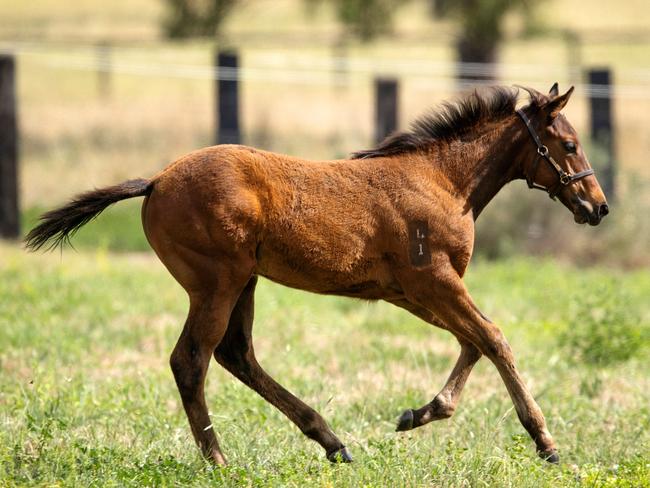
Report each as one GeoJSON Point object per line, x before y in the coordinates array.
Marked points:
{"type": "Point", "coordinates": [452, 121]}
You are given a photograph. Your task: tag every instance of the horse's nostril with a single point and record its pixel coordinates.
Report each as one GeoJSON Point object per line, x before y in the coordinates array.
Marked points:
{"type": "Point", "coordinates": [603, 210]}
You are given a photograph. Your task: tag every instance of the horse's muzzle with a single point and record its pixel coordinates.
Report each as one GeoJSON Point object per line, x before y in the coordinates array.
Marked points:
{"type": "Point", "coordinates": [585, 212]}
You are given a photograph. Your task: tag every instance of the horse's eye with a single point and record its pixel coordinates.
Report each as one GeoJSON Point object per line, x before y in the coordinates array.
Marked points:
{"type": "Point", "coordinates": [570, 146]}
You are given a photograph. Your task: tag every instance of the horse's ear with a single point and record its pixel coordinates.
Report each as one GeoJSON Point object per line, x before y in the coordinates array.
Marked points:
{"type": "Point", "coordinates": [553, 107]}
{"type": "Point", "coordinates": [555, 90]}
{"type": "Point", "coordinates": [535, 96]}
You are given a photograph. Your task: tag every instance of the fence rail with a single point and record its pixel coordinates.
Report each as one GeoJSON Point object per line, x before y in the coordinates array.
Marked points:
{"type": "Point", "coordinates": [277, 67]}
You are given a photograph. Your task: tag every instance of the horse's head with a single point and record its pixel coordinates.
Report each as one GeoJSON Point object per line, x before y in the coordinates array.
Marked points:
{"type": "Point", "coordinates": [553, 158]}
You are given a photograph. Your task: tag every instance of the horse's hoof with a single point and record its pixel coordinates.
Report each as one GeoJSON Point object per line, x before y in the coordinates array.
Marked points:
{"type": "Point", "coordinates": [218, 459]}
{"type": "Point", "coordinates": [405, 422]}
{"type": "Point", "coordinates": [340, 456]}
{"type": "Point", "coordinates": [551, 456]}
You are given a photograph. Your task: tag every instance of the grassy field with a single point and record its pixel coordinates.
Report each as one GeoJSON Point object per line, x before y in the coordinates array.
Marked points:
{"type": "Point", "coordinates": [86, 394]}
{"type": "Point", "coordinates": [87, 397]}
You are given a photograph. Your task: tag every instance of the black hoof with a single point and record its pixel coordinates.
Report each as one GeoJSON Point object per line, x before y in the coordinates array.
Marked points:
{"type": "Point", "coordinates": [405, 422]}
{"type": "Point", "coordinates": [550, 456]}
{"type": "Point", "coordinates": [340, 456]}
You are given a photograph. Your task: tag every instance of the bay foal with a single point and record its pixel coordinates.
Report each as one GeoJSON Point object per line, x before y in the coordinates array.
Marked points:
{"type": "Point", "coordinates": [394, 223]}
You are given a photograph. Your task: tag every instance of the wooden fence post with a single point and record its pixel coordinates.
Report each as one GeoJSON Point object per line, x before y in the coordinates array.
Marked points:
{"type": "Point", "coordinates": [104, 61]}
{"type": "Point", "coordinates": [437, 8]}
{"type": "Point", "coordinates": [602, 134]}
{"type": "Point", "coordinates": [227, 98]}
{"type": "Point", "coordinates": [385, 107]}
{"type": "Point", "coordinates": [574, 49]}
{"type": "Point", "coordinates": [9, 215]}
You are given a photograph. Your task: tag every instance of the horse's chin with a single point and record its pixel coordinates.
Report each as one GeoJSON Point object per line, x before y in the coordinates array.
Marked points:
{"type": "Point", "coordinates": [582, 219]}
{"type": "Point", "coordinates": [579, 218]}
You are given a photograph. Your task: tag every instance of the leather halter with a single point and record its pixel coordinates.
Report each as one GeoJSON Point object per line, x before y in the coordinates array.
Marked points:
{"type": "Point", "coordinates": [564, 178]}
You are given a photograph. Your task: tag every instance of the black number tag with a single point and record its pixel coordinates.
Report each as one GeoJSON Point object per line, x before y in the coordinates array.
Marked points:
{"type": "Point", "coordinates": [419, 252]}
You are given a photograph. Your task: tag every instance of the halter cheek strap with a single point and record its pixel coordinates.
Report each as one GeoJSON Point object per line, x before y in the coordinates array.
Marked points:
{"type": "Point", "coordinates": [564, 178]}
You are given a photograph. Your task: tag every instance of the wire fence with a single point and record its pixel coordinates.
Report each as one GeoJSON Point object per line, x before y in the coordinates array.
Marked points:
{"type": "Point", "coordinates": [102, 108]}
{"type": "Point", "coordinates": [296, 68]}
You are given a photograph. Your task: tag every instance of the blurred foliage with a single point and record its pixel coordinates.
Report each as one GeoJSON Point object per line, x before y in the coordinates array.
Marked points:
{"type": "Point", "coordinates": [520, 222]}
{"type": "Point", "coordinates": [481, 22]}
{"type": "Point", "coordinates": [606, 328]}
{"type": "Point", "coordinates": [195, 18]}
{"type": "Point", "coordinates": [482, 27]}
{"type": "Point", "coordinates": [364, 19]}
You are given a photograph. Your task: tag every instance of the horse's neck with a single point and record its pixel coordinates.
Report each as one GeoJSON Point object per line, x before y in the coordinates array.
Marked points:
{"type": "Point", "coordinates": [479, 168]}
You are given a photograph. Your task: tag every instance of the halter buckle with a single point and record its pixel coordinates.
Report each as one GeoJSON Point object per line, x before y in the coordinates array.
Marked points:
{"type": "Point", "coordinates": [565, 179]}
{"type": "Point", "coordinates": [542, 151]}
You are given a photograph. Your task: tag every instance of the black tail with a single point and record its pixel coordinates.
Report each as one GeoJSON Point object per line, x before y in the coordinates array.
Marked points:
{"type": "Point", "coordinates": [58, 225]}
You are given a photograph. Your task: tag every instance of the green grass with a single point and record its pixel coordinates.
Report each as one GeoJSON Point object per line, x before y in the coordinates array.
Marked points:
{"type": "Point", "coordinates": [86, 394]}
{"type": "Point", "coordinates": [87, 397]}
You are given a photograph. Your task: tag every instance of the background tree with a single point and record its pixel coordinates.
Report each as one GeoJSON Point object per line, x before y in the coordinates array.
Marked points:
{"type": "Point", "coordinates": [195, 18]}
{"type": "Point", "coordinates": [363, 19]}
{"type": "Point", "coordinates": [367, 19]}
{"type": "Point", "coordinates": [481, 25]}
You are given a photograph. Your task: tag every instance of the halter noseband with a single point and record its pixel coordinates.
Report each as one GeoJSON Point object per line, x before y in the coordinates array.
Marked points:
{"type": "Point", "coordinates": [565, 179]}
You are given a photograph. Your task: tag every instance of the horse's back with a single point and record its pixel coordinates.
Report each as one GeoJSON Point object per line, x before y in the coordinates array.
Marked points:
{"type": "Point", "coordinates": [299, 219]}
{"type": "Point", "coordinates": [326, 226]}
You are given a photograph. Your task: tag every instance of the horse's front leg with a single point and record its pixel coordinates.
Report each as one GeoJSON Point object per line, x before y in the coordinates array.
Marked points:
{"type": "Point", "coordinates": [444, 403]}
{"type": "Point", "coordinates": [446, 297]}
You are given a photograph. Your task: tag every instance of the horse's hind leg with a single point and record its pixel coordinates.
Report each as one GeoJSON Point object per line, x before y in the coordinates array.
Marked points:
{"type": "Point", "coordinates": [204, 328]}
{"type": "Point", "coordinates": [207, 242]}
{"type": "Point", "coordinates": [444, 403]}
{"type": "Point", "coordinates": [235, 353]}
{"type": "Point", "coordinates": [213, 290]}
